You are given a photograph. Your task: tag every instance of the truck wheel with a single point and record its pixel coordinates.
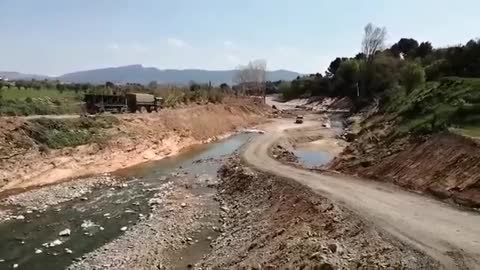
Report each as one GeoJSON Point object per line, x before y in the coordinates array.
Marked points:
{"type": "Point", "coordinates": [149, 109]}
{"type": "Point", "coordinates": [143, 109]}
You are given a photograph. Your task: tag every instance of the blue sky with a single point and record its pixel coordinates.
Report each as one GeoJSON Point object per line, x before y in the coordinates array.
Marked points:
{"type": "Point", "coordinates": [58, 36]}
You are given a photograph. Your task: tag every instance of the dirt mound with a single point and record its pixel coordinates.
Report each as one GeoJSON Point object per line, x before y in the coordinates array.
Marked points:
{"type": "Point", "coordinates": [134, 139]}
{"type": "Point", "coordinates": [344, 103]}
{"type": "Point", "coordinates": [445, 165]}
{"type": "Point", "coordinates": [273, 223]}
{"type": "Point", "coordinates": [281, 153]}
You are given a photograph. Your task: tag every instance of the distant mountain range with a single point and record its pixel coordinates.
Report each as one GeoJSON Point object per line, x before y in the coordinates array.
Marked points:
{"type": "Point", "coordinates": [144, 75]}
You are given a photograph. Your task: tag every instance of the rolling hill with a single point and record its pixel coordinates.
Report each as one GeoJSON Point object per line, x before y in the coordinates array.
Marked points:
{"type": "Point", "coordinates": [144, 75]}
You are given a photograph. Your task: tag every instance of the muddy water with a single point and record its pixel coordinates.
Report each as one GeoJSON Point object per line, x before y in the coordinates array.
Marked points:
{"type": "Point", "coordinates": [107, 210]}
{"type": "Point", "coordinates": [312, 158]}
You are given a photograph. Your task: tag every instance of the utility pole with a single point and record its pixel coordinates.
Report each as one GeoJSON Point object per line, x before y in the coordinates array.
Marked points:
{"type": "Point", "coordinates": [358, 90]}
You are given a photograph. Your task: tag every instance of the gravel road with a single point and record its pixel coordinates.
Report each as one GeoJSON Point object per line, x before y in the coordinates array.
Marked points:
{"type": "Point", "coordinates": [450, 235]}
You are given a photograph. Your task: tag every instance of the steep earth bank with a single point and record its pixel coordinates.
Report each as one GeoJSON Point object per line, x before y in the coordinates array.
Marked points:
{"type": "Point", "coordinates": [133, 139]}
{"type": "Point", "coordinates": [407, 141]}
{"type": "Point", "coordinates": [445, 165]}
{"type": "Point", "coordinates": [275, 223]}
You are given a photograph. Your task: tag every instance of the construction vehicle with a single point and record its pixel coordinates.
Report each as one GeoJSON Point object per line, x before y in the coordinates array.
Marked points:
{"type": "Point", "coordinates": [299, 119]}
{"type": "Point", "coordinates": [130, 102]}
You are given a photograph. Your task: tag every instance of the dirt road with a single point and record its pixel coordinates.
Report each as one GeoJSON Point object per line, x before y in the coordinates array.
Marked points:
{"type": "Point", "coordinates": [449, 235]}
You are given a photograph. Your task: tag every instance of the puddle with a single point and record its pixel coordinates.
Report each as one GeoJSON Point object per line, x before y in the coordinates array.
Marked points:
{"type": "Point", "coordinates": [108, 209]}
{"type": "Point", "coordinates": [312, 158]}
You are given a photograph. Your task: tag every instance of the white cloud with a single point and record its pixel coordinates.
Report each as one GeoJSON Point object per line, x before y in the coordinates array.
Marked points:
{"type": "Point", "coordinates": [175, 42]}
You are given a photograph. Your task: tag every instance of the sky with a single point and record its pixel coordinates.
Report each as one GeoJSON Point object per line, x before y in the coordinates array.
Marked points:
{"type": "Point", "coordinates": [53, 37]}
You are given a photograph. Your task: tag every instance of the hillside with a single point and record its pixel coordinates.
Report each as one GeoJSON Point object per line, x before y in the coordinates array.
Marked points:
{"type": "Point", "coordinates": [17, 75]}
{"type": "Point", "coordinates": [418, 141]}
{"type": "Point", "coordinates": [144, 75]}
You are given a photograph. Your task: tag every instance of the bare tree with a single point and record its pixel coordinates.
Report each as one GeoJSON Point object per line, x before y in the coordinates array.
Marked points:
{"type": "Point", "coordinates": [373, 40]}
{"type": "Point", "coordinates": [252, 77]}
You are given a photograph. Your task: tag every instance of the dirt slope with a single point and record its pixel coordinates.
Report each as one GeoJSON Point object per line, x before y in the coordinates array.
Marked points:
{"type": "Point", "coordinates": [449, 235]}
{"type": "Point", "coordinates": [136, 139]}
{"type": "Point", "coordinates": [445, 165]}
{"type": "Point", "coordinates": [275, 223]}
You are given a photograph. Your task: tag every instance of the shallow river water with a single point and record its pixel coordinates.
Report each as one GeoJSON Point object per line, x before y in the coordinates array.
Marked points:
{"type": "Point", "coordinates": [100, 218]}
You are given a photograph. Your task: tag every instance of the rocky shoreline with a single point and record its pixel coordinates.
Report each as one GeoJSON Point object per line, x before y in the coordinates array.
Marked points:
{"type": "Point", "coordinates": [40, 199]}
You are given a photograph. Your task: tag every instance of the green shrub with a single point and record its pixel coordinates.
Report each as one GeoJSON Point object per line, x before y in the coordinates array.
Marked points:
{"type": "Point", "coordinates": [412, 76]}
{"type": "Point", "coordinates": [437, 106]}
{"type": "Point", "coordinates": [60, 133]}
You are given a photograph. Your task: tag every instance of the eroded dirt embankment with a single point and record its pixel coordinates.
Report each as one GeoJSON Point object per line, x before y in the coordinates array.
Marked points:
{"type": "Point", "coordinates": [445, 165]}
{"type": "Point", "coordinates": [135, 139]}
{"type": "Point", "coordinates": [275, 223]}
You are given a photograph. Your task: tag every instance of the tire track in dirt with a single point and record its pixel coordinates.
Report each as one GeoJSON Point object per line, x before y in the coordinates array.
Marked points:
{"type": "Point", "coordinates": [429, 225]}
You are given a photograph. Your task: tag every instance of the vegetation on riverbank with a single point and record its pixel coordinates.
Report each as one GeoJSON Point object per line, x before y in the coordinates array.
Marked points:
{"type": "Point", "coordinates": [60, 133]}
{"type": "Point", "coordinates": [451, 102]}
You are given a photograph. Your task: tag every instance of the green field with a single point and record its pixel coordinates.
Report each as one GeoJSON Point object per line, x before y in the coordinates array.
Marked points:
{"type": "Point", "coordinates": [30, 101]}
{"type": "Point", "coordinates": [14, 93]}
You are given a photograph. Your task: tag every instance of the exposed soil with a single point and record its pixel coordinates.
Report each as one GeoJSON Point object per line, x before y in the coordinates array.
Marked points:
{"type": "Point", "coordinates": [445, 165]}
{"type": "Point", "coordinates": [274, 223]}
{"type": "Point", "coordinates": [138, 138]}
{"type": "Point", "coordinates": [447, 234]}
{"type": "Point", "coordinates": [284, 153]}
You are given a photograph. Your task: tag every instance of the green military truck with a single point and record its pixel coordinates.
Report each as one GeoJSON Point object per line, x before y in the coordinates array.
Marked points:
{"type": "Point", "coordinates": [130, 102]}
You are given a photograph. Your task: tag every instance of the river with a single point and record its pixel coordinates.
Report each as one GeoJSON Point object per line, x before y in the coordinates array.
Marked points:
{"type": "Point", "coordinates": [104, 214]}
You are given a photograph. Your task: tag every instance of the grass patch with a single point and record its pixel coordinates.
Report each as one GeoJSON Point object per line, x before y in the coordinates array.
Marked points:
{"type": "Point", "coordinates": [42, 106]}
{"type": "Point", "coordinates": [29, 101]}
{"type": "Point", "coordinates": [469, 131]}
{"type": "Point", "coordinates": [14, 93]}
{"type": "Point", "coordinates": [61, 133]}
{"type": "Point", "coordinates": [452, 102]}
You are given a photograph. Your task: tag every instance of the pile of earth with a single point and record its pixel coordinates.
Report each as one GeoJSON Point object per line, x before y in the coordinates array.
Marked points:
{"type": "Point", "coordinates": [281, 153]}
{"type": "Point", "coordinates": [274, 223]}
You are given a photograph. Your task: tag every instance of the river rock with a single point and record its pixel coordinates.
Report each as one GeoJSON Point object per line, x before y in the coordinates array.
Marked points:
{"type": "Point", "coordinates": [332, 247]}
{"type": "Point", "coordinates": [183, 205]}
{"type": "Point", "coordinates": [65, 232]}
{"type": "Point", "coordinates": [20, 217]}
{"type": "Point", "coordinates": [38, 251]}
{"type": "Point", "coordinates": [2, 260]}
{"type": "Point", "coordinates": [123, 228]}
{"type": "Point", "coordinates": [15, 266]}
{"type": "Point", "coordinates": [154, 201]}
{"type": "Point", "coordinates": [87, 224]}
{"type": "Point", "coordinates": [54, 243]}
{"type": "Point", "coordinates": [68, 251]}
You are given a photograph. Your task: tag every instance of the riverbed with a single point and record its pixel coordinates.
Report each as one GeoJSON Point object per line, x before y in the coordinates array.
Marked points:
{"type": "Point", "coordinates": [107, 212]}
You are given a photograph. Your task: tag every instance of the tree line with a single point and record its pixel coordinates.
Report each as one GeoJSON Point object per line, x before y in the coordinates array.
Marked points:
{"type": "Point", "coordinates": [407, 64]}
